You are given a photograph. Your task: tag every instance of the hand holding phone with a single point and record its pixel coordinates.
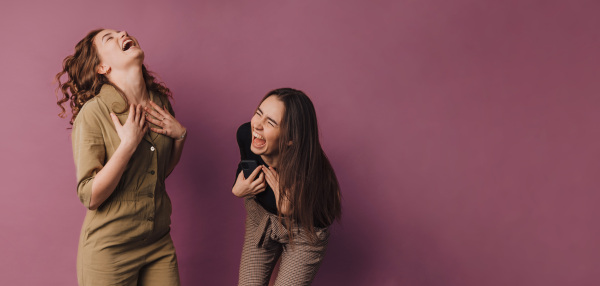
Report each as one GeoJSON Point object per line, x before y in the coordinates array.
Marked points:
{"type": "Point", "coordinates": [244, 187]}
{"type": "Point", "coordinates": [248, 167]}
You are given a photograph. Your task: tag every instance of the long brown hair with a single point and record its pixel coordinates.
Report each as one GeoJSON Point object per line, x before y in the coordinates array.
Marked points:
{"type": "Point", "coordinates": [306, 177]}
{"type": "Point", "coordinates": [84, 82]}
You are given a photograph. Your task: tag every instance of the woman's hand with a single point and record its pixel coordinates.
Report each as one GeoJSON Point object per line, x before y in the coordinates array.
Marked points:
{"type": "Point", "coordinates": [169, 126]}
{"type": "Point", "coordinates": [272, 178]}
{"type": "Point", "coordinates": [134, 128]}
{"type": "Point", "coordinates": [249, 187]}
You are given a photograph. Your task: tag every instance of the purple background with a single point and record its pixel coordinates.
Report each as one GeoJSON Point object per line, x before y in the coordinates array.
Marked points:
{"type": "Point", "coordinates": [464, 133]}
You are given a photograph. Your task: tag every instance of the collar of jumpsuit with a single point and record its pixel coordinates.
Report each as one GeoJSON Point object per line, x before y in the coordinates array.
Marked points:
{"type": "Point", "coordinates": [120, 107]}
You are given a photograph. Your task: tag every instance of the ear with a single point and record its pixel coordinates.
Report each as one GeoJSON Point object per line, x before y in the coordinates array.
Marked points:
{"type": "Point", "coordinates": [103, 69]}
{"type": "Point", "coordinates": [289, 143]}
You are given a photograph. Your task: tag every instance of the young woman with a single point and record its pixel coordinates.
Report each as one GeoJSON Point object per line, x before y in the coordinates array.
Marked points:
{"type": "Point", "coordinates": [291, 198]}
{"type": "Point", "coordinates": [126, 141]}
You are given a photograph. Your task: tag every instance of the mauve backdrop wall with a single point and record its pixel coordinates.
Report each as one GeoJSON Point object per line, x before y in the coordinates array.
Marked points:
{"type": "Point", "coordinates": [464, 133]}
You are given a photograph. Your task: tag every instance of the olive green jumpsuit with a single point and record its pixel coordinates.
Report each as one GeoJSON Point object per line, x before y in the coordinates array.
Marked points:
{"type": "Point", "coordinates": [125, 241]}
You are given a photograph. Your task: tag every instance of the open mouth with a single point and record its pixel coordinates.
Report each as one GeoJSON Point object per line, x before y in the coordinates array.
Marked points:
{"type": "Point", "coordinates": [257, 140]}
{"type": "Point", "coordinates": [127, 44]}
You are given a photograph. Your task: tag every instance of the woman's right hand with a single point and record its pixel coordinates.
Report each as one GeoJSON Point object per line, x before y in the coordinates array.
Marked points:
{"type": "Point", "coordinates": [133, 130]}
{"type": "Point", "coordinates": [249, 186]}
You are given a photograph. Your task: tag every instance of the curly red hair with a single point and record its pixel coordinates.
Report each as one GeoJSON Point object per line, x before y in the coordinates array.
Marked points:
{"type": "Point", "coordinates": [84, 82]}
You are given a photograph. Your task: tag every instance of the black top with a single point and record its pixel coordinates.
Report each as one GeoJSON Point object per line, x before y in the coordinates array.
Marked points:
{"type": "Point", "coordinates": [244, 138]}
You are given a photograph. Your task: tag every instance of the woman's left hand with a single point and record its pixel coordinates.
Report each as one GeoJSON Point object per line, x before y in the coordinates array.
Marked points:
{"type": "Point", "coordinates": [169, 126]}
{"type": "Point", "coordinates": [272, 178]}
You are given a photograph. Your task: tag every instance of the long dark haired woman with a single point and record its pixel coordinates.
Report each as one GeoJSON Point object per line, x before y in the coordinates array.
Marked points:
{"type": "Point", "coordinates": [126, 141]}
{"type": "Point", "coordinates": [291, 198]}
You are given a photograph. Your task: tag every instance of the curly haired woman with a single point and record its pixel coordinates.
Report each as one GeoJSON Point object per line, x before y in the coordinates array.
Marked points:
{"type": "Point", "coordinates": [126, 141]}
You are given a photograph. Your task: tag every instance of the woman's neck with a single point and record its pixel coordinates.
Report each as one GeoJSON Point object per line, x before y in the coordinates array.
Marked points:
{"type": "Point", "coordinates": [272, 161]}
{"type": "Point", "coordinates": [132, 83]}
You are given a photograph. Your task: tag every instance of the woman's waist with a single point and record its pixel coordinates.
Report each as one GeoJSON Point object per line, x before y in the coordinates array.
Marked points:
{"type": "Point", "coordinates": [133, 190]}
{"type": "Point", "coordinates": [258, 212]}
{"type": "Point", "coordinates": [124, 221]}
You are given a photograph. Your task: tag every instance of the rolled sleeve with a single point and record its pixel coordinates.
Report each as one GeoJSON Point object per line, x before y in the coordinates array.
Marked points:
{"type": "Point", "coordinates": [89, 149]}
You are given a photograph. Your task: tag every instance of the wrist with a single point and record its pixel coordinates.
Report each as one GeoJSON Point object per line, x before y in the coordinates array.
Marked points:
{"type": "Point", "coordinates": [127, 146]}
{"type": "Point", "coordinates": [182, 136]}
{"type": "Point", "coordinates": [237, 192]}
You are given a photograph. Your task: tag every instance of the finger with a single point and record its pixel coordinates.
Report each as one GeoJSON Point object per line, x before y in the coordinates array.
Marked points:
{"type": "Point", "coordinates": [131, 113]}
{"type": "Point", "coordinates": [153, 112]}
{"type": "Point", "coordinates": [145, 128]}
{"type": "Point", "coordinates": [268, 176]}
{"type": "Point", "coordinates": [166, 110]}
{"type": "Point", "coordinates": [137, 116]}
{"type": "Point", "coordinates": [158, 130]}
{"type": "Point", "coordinates": [153, 120]}
{"type": "Point", "coordinates": [240, 176]}
{"type": "Point", "coordinates": [268, 173]}
{"type": "Point", "coordinates": [115, 120]}
{"type": "Point", "coordinates": [274, 172]}
{"type": "Point", "coordinates": [142, 122]}
{"type": "Point", "coordinates": [160, 110]}
{"type": "Point", "coordinates": [259, 189]}
{"type": "Point", "coordinates": [269, 181]}
{"type": "Point", "coordinates": [264, 168]}
{"type": "Point", "coordinates": [254, 173]}
{"type": "Point", "coordinates": [258, 181]}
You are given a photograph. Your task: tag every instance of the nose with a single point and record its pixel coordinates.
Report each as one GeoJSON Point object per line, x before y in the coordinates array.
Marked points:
{"type": "Point", "coordinates": [122, 34]}
{"type": "Point", "coordinates": [258, 124]}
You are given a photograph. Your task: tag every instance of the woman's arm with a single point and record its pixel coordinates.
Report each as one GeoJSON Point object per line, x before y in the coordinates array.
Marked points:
{"type": "Point", "coordinates": [107, 179]}
{"type": "Point", "coordinates": [176, 153]}
{"type": "Point", "coordinates": [131, 134]}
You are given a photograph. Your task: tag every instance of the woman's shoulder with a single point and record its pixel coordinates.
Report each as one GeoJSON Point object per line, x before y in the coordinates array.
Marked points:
{"type": "Point", "coordinates": [244, 130]}
{"type": "Point", "coordinates": [243, 135]}
{"type": "Point", "coordinates": [98, 107]}
{"type": "Point", "coordinates": [89, 110]}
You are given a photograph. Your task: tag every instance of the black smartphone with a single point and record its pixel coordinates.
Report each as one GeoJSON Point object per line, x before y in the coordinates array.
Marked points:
{"type": "Point", "coordinates": [248, 167]}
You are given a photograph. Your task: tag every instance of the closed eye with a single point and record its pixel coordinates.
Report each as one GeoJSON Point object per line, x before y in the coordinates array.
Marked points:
{"type": "Point", "coordinates": [109, 35]}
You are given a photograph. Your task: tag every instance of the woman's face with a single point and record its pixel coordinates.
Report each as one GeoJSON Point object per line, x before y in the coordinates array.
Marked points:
{"type": "Point", "coordinates": [266, 127]}
{"type": "Point", "coordinates": [117, 51]}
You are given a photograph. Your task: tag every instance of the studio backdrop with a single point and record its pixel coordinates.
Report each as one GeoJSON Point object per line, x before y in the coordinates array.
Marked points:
{"type": "Point", "coordinates": [464, 133]}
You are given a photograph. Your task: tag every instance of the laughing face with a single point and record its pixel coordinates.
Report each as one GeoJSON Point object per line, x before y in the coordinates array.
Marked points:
{"type": "Point", "coordinates": [266, 128]}
{"type": "Point", "coordinates": [117, 50]}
